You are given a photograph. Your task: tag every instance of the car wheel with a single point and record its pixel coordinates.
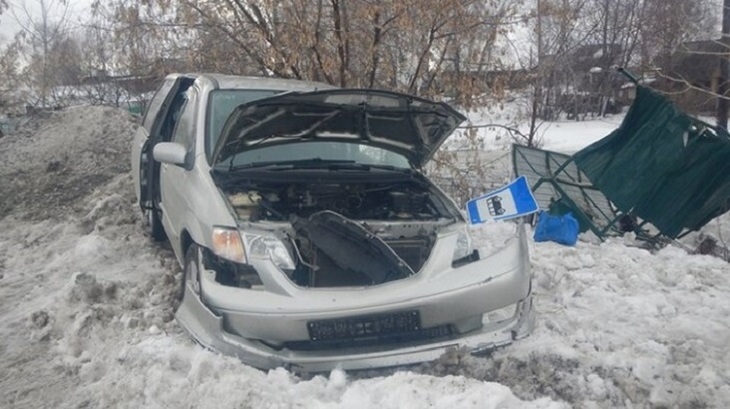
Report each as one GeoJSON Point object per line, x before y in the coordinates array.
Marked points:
{"type": "Point", "coordinates": [154, 225]}
{"type": "Point", "coordinates": [191, 272]}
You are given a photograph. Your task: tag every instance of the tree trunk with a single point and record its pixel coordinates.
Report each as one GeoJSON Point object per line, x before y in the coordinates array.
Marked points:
{"type": "Point", "coordinates": [722, 89]}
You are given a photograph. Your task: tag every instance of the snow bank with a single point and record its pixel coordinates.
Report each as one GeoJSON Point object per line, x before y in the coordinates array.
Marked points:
{"type": "Point", "coordinates": [619, 326]}
{"type": "Point", "coordinates": [49, 164]}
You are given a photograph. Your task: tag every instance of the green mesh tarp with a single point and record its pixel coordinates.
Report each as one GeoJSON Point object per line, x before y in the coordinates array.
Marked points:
{"type": "Point", "coordinates": [662, 166]}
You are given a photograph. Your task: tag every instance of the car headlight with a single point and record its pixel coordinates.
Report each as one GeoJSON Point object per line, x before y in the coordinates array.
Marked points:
{"type": "Point", "coordinates": [271, 247]}
{"type": "Point", "coordinates": [464, 253]}
{"type": "Point", "coordinates": [227, 244]}
{"type": "Point", "coordinates": [463, 245]}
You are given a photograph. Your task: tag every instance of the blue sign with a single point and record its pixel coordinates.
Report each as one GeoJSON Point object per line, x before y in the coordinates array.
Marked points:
{"type": "Point", "coordinates": [513, 200]}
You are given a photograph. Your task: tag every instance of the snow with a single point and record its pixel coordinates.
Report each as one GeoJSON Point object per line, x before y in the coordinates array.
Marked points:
{"type": "Point", "coordinates": [560, 136]}
{"type": "Point", "coordinates": [86, 317]}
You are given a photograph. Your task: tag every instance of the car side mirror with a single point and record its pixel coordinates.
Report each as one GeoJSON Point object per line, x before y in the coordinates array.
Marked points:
{"type": "Point", "coordinates": [170, 152]}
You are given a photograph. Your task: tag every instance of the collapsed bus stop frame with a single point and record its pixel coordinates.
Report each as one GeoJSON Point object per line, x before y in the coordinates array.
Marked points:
{"type": "Point", "coordinates": [662, 173]}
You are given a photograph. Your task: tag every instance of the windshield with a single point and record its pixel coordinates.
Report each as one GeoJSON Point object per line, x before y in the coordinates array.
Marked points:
{"type": "Point", "coordinates": [325, 151]}
{"type": "Point", "coordinates": [221, 104]}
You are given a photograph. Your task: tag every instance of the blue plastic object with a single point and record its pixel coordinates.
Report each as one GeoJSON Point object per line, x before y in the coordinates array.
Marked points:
{"type": "Point", "coordinates": [560, 229]}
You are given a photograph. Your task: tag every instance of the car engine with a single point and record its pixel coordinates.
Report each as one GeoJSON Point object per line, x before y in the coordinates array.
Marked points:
{"type": "Point", "coordinates": [345, 234]}
{"type": "Point", "coordinates": [361, 201]}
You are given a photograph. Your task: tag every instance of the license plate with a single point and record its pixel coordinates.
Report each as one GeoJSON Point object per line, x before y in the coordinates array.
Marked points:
{"type": "Point", "coordinates": [364, 326]}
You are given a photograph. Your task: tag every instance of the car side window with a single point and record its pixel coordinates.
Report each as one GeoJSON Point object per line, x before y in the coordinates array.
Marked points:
{"type": "Point", "coordinates": [153, 109]}
{"type": "Point", "coordinates": [185, 127]}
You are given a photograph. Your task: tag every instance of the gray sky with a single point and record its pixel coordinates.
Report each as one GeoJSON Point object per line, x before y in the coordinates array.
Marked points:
{"type": "Point", "coordinates": [77, 11]}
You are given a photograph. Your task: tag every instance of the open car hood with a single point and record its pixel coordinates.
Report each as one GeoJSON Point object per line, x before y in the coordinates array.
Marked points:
{"type": "Point", "coordinates": [411, 126]}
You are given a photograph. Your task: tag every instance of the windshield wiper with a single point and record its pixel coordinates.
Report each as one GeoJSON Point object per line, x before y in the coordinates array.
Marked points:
{"type": "Point", "coordinates": [367, 166]}
{"type": "Point", "coordinates": [317, 163]}
{"type": "Point", "coordinates": [293, 164]}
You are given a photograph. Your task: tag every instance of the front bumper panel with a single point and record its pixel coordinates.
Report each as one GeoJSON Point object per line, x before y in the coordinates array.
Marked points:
{"type": "Point", "coordinates": [207, 328]}
{"type": "Point", "coordinates": [269, 330]}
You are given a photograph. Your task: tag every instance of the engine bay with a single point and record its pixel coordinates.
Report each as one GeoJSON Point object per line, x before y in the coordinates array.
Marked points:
{"type": "Point", "coordinates": [358, 201]}
{"type": "Point", "coordinates": [346, 234]}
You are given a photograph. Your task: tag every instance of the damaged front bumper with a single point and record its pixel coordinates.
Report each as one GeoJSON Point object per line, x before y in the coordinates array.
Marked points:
{"type": "Point", "coordinates": [269, 330]}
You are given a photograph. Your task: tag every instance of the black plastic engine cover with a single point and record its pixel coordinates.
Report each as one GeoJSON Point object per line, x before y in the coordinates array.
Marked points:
{"type": "Point", "coordinates": [351, 247]}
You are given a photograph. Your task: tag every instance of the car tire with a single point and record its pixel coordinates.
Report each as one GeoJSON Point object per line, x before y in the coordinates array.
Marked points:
{"type": "Point", "coordinates": [154, 225]}
{"type": "Point", "coordinates": [191, 270]}
{"type": "Point", "coordinates": [190, 273]}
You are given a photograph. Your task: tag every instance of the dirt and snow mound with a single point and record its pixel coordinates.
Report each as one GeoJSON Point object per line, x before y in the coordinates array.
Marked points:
{"type": "Point", "coordinates": [50, 163]}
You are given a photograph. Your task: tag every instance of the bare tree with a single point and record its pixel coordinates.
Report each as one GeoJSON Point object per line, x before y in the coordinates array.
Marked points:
{"type": "Point", "coordinates": [44, 25]}
{"type": "Point", "coordinates": [576, 42]}
{"type": "Point", "coordinates": [359, 43]}
{"type": "Point", "coordinates": [723, 104]}
{"type": "Point", "coordinates": [10, 77]}
{"type": "Point", "coordinates": [680, 46]}
{"type": "Point", "coordinates": [557, 30]}
{"type": "Point", "coordinates": [132, 38]}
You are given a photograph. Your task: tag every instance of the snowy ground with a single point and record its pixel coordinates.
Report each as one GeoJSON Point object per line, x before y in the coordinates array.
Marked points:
{"type": "Point", "coordinates": [86, 316]}
{"type": "Point", "coordinates": [560, 136]}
